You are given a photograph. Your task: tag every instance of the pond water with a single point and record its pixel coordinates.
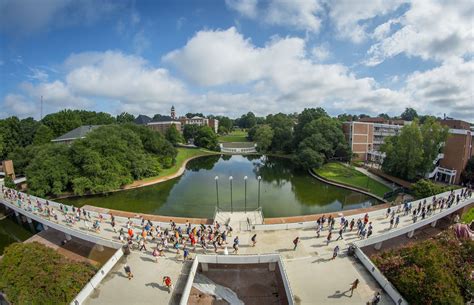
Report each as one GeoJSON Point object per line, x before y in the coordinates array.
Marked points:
{"type": "Point", "coordinates": [11, 232]}
{"type": "Point", "coordinates": [284, 190]}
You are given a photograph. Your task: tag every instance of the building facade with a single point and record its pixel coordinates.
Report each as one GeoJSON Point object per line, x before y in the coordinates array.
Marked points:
{"type": "Point", "coordinates": [200, 121]}
{"type": "Point", "coordinates": [366, 136]}
{"type": "Point", "coordinates": [163, 123]}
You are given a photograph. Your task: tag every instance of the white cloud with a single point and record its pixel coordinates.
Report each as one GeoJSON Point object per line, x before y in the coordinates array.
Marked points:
{"type": "Point", "coordinates": [444, 89]}
{"type": "Point", "coordinates": [18, 105]}
{"type": "Point", "coordinates": [140, 42]}
{"type": "Point", "coordinates": [349, 16]}
{"type": "Point", "coordinates": [431, 30]}
{"type": "Point", "coordinates": [38, 75]}
{"type": "Point", "coordinates": [299, 14]}
{"type": "Point", "coordinates": [321, 53]}
{"type": "Point", "coordinates": [247, 8]}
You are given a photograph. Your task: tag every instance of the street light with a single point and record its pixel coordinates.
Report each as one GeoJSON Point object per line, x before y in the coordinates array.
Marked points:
{"type": "Point", "coordinates": [259, 178]}
{"type": "Point", "coordinates": [245, 205]}
{"type": "Point", "coordinates": [217, 191]}
{"type": "Point", "coordinates": [231, 208]}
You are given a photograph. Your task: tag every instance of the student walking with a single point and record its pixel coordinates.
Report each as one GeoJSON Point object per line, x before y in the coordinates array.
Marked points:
{"type": "Point", "coordinates": [335, 252]}
{"type": "Point", "coordinates": [397, 221]}
{"type": "Point", "coordinates": [340, 234]}
{"type": "Point", "coordinates": [128, 271]}
{"type": "Point", "coordinates": [295, 242]}
{"type": "Point", "coordinates": [168, 284]}
{"type": "Point", "coordinates": [236, 245]}
{"type": "Point", "coordinates": [254, 240]}
{"type": "Point", "coordinates": [329, 238]}
{"type": "Point", "coordinates": [354, 286]}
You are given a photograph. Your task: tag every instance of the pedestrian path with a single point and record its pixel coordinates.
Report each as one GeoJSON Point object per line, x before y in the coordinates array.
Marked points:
{"type": "Point", "coordinates": [314, 277]}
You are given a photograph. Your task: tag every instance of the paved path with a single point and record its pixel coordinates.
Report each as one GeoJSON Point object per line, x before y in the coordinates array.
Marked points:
{"type": "Point", "coordinates": [314, 278]}
{"type": "Point", "coordinates": [375, 177]}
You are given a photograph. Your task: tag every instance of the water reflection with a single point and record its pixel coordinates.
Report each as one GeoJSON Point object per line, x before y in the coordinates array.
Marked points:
{"type": "Point", "coordinates": [285, 191]}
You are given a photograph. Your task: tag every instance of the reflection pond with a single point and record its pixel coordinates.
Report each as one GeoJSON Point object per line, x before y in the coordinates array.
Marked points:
{"type": "Point", "coordinates": [284, 190]}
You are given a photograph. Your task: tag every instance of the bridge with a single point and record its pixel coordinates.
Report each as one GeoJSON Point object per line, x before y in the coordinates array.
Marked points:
{"type": "Point", "coordinates": [272, 239]}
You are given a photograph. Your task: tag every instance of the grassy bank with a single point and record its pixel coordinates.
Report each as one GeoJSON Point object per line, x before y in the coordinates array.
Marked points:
{"type": "Point", "coordinates": [234, 136]}
{"type": "Point", "coordinates": [338, 172]}
{"type": "Point", "coordinates": [183, 155]}
{"type": "Point", "coordinates": [468, 217]}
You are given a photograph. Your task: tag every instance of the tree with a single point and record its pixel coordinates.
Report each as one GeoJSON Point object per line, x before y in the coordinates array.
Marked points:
{"type": "Point", "coordinates": [426, 188]}
{"type": "Point", "coordinates": [190, 131]}
{"type": "Point", "coordinates": [190, 115]}
{"type": "Point", "coordinates": [409, 114]}
{"type": "Point", "coordinates": [263, 137]}
{"type": "Point", "coordinates": [31, 273]}
{"type": "Point", "coordinates": [125, 117]}
{"type": "Point", "coordinates": [51, 170]}
{"type": "Point", "coordinates": [467, 175]}
{"type": "Point", "coordinates": [282, 127]}
{"type": "Point", "coordinates": [225, 124]}
{"type": "Point", "coordinates": [306, 117]}
{"type": "Point", "coordinates": [21, 157]}
{"type": "Point", "coordinates": [309, 158]}
{"type": "Point", "coordinates": [28, 128]}
{"type": "Point", "coordinates": [206, 138]}
{"type": "Point", "coordinates": [173, 135]}
{"type": "Point", "coordinates": [404, 153]}
{"type": "Point", "coordinates": [433, 134]}
{"type": "Point", "coordinates": [43, 135]}
{"type": "Point", "coordinates": [11, 132]}
{"type": "Point", "coordinates": [8, 181]}
{"type": "Point", "coordinates": [247, 120]}
{"type": "Point", "coordinates": [384, 116]}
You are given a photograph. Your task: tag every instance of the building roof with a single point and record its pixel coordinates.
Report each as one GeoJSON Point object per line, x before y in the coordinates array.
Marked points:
{"type": "Point", "coordinates": [78, 133]}
{"type": "Point", "coordinates": [142, 119]}
{"type": "Point", "coordinates": [164, 118]}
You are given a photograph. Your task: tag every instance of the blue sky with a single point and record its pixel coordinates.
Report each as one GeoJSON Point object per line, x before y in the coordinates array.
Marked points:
{"type": "Point", "coordinates": [234, 56]}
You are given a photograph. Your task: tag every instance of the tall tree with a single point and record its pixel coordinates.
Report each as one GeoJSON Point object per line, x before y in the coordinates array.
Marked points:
{"type": "Point", "coordinates": [190, 131]}
{"type": "Point", "coordinates": [125, 117]}
{"type": "Point", "coordinates": [433, 134]}
{"type": "Point", "coordinates": [173, 135]}
{"type": "Point", "coordinates": [43, 135]}
{"type": "Point", "coordinates": [10, 132]}
{"type": "Point", "coordinates": [263, 136]}
{"type": "Point", "coordinates": [206, 138]}
{"type": "Point", "coordinates": [404, 153]}
{"type": "Point", "coordinates": [409, 114]}
{"type": "Point", "coordinates": [467, 176]}
{"type": "Point", "coordinates": [306, 117]}
{"type": "Point", "coordinates": [282, 127]}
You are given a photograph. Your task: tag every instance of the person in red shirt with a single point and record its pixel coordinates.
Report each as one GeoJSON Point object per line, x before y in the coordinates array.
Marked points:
{"type": "Point", "coordinates": [167, 282]}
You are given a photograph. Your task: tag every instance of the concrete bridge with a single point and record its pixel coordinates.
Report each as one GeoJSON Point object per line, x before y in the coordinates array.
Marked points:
{"type": "Point", "coordinates": [272, 239]}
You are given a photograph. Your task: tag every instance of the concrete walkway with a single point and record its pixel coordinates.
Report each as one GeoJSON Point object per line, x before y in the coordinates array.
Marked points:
{"type": "Point", "coordinates": [313, 276]}
{"type": "Point", "coordinates": [375, 177]}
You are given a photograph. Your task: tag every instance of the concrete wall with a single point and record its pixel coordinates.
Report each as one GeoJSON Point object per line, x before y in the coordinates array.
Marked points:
{"type": "Point", "coordinates": [380, 278]}
{"type": "Point", "coordinates": [457, 152]}
{"type": "Point", "coordinates": [237, 260]}
{"type": "Point", "coordinates": [97, 278]}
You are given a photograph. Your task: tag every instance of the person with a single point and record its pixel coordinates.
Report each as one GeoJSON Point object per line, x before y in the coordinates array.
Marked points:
{"type": "Point", "coordinates": [354, 286]}
{"type": "Point", "coordinates": [128, 271]}
{"type": "Point", "coordinates": [156, 253]}
{"type": "Point", "coordinates": [295, 242]}
{"type": "Point", "coordinates": [376, 299]}
{"type": "Point", "coordinates": [335, 252]}
{"type": "Point", "coordinates": [254, 240]}
{"type": "Point", "coordinates": [142, 245]}
{"type": "Point", "coordinates": [167, 282]}
{"type": "Point", "coordinates": [185, 254]}
{"type": "Point", "coordinates": [397, 221]}
{"type": "Point", "coordinates": [340, 234]}
{"type": "Point", "coordinates": [236, 245]}
{"type": "Point", "coordinates": [329, 238]}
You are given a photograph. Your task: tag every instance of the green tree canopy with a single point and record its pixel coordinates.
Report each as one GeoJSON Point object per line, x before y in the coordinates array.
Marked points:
{"type": "Point", "coordinates": [206, 138]}
{"type": "Point", "coordinates": [467, 176]}
{"type": "Point", "coordinates": [173, 135]}
{"type": "Point", "coordinates": [31, 273]}
{"type": "Point", "coordinates": [125, 117]}
{"type": "Point", "coordinates": [409, 114]}
{"type": "Point", "coordinates": [412, 152]}
{"type": "Point", "coordinates": [263, 136]}
{"type": "Point", "coordinates": [43, 135]}
{"type": "Point", "coordinates": [282, 126]}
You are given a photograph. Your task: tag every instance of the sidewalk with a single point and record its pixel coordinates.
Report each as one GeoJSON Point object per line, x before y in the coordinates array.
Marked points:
{"type": "Point", "coordinates": [375, 177]}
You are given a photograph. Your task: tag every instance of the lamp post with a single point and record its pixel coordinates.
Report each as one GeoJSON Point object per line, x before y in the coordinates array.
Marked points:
{"type": "Point", "coordinates": [259, 178]}
{"type": "Point", "coordinates": [217, 191]}
{"type": "Point", "coordinates": [245, 202]}
{"type": "Point", "coordinates": [231, 208]}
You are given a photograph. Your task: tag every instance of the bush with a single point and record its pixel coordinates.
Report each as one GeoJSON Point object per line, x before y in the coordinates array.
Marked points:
{"type": "Point", "coordinates": [35, 274]}
{"type": "Point", "coordinates": [425, 188]}
{"type": "Point", "coordinates": [435, 271]}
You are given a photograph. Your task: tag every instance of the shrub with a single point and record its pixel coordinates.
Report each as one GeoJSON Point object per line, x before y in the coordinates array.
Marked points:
{"type": "Point", "coordinates": [435, 271]}
{"type": "Point", "coordinates": [35, 274]}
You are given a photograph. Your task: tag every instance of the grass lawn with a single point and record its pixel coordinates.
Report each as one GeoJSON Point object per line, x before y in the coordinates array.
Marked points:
{"type": "Point", "coordinates": [468, 217]}
{"type": "Point", "coordinates": [183, 154]}
{"type": "Point", "coordinates": [348, 175]}
{"type": "Point", "coordinates": [234, 136]}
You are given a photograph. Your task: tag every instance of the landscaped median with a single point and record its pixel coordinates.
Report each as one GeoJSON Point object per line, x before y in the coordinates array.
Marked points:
{"type": "Point", "coordinates": [348, 175]}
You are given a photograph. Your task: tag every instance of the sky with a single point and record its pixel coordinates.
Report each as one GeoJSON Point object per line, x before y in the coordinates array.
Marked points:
{"type": "Point", "coordinates": [233, 56]}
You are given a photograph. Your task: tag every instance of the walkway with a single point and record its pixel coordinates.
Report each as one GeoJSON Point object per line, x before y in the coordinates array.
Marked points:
{"type": "Point", "coordinates": [375, 177]}
{"type": "Point", "coordinates": [313, 276]}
